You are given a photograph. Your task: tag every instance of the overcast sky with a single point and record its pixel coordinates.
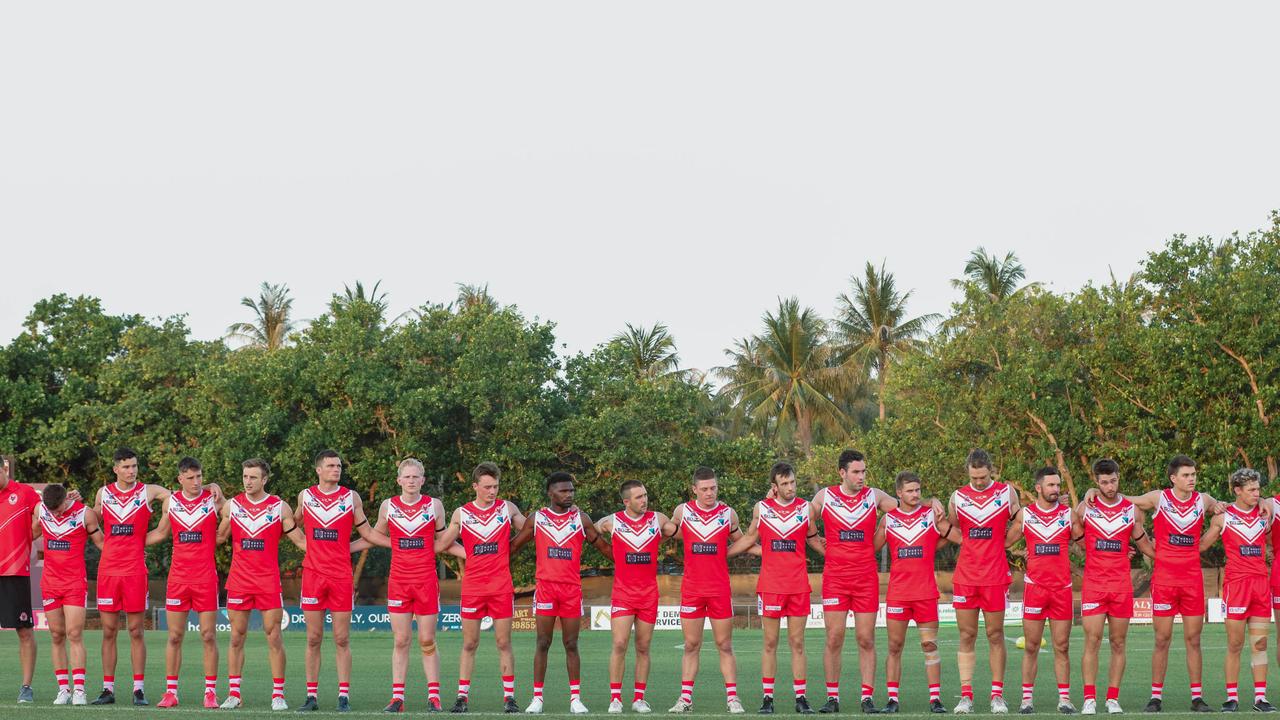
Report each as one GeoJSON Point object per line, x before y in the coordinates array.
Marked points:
{"type": "Point", "coordinates": [598, 163]}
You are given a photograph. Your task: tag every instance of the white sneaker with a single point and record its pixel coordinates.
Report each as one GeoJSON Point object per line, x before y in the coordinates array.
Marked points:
{"type": "Point", "coordinates": [735, 706]}
{"type": "Point", "coordinates": [1025, 708]}
{"type": "Point", "coordinates": [1090, 707]}
{"type": "Point", "coordinates": [278, 703]}
{"type": "Point", "coordinates": [964, 707]}
{"type": "Point", "coordinates": [615, 707]}
{"type": "Point", "coordinates": [681, 706]}
{"type": "Point", "coordinates": [231, 703]}
{"type": "Point", "coordinates": [1113, 707]}
{"type": "Point", "coordinates": [641, 706]}
{"type": "Point", "coordinates": [78, 698]}
{"type": "Point", "coordinates": [577, 708]}
{"type": "Point", "coordinates": [997, 706]}
{"type": "Point", "coordinates": [1065, 707]}
{"type": "Point", "coordinates": [535, 707]}
{"type": "Point", "coordinates": [63, 698]}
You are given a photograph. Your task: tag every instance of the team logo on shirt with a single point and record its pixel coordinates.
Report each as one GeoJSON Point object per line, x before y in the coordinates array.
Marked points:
{"type": "Point", "coordinates": [412, 520]}
{"type": "Point", "coordinates": [1183, 516]}
{"type": "Point", "coordinates": [485, 524]}
{"type": "Point", "coordinates": [909, 528]}
{"type": "Point", "coordinates": [328, 510]}
{"type": "Point", "coordinates": [1047, 527]}
{"type": "Point", "coordinates": [635, 535]}
{"type": "Point", "coordinates": [785, 521]}
{"type": "Point", "coordinates": [55, 526]}
{"type": "Point", "coordinates": [1249, 528]}
{"type": "Point", "coordinates": [1109, 522]}
{"type": "Point", "coordinates": [559, 529]}
{"type": "Point", "coordinates": [122, 505]}
{"type": "Point", "coordinates": [982, 507]}
{"type": "Point", "coordinates": [253, 520]}
{"type": "Point", "coordinates": [848, 511]}
{"type": "Point", "coordinates": [189, 513]}
{"type": "Point", "coordinates": [704, 525]}
{"type": "Point", "coordinates": [13, 499]}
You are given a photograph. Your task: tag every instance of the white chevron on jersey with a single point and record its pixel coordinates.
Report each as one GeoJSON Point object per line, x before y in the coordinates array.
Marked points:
{"type": "Point", "coordinates": [1109, 524]}
{"type": "Point", "coordinates": [1250, 530]}
{"type": "Point", "coordinates": [1185, 518]}
{"type": "Point", "coordinates": [559, 529]}
{"type": "Point", "coordinates": [326, 511]}
{"type": "Point", "coordinates": [786, 521]}
{"type": "Point", "coordinates": [1046, 528]}
{"type": "Point", "coordinates": [485, 526]}
{"type": "Point", "coordinates": [53, 526]}
{"type": "Point", "coordinates": [703, 528]}
{"type": "Point", "coordinates": [186, 514]}
{"type": "Point", "coordinates": [847, 512]}
{"type": "Point", "coordinates": [122, 506]}
{"type": "Point", "coordinates": [411, 521]}
{"type": "Point", "coordinates": [910, 530]}
{"type": "Point", "coordinates": [980, 512]}
{"type": "Point", "coordinates": [253, 520]}
{"type": "Point", "coordinates": [637, 536]}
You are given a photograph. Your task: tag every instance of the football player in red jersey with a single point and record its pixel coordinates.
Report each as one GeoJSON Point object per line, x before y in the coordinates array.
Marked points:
{"type": "Point", "coordinates": [707, 527]}
{"type": "Point", "coordinates": [1177, 583]}
{"type": "Point", "coordinates": [850, 578]}
{"type": "Point", "coordinates": [635, 535]}
{"type": "Point", "coordinates": [124, 513]}
{"type": "Point", "coordinates": [66, 525]}
{"type": "Point", "coordinates": [783, 526]}
{"type": "Point", "coordinates": [410, 522]}
{"type": "Point", "coordinates": [192, 516]}
{"type": "Point", "coordinates": [1048, 526]}
{"type": "Point", "coordinates": [558, 532]}
{"type": "Point", "coordinates": [981, 510]}
{"type": "Point", "coordinates": [254, 522]}
{"type": "Point", "coordinates": [1245, 588]}
{"type": "Point", "coordinates": [484, 527]}
{"type": "Point", "coordinates": [1108, 524]}
{"type": "Point", "coordinates": [913, 532]}
{"type": "Point", "coordinates": [328, 513]}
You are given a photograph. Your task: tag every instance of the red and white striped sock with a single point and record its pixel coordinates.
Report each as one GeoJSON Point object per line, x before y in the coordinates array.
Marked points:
{"type": "Point", "coordinates": [1113, 693]}
{"type": "Point", "coordinates": [277, 687]}
{"type": "Point", "coordinates": [615, 692]}
{"type": "Point", "coordinates": [1233, 692]}
{"type": "Point", "coordinates": [1260, 691]}
{"type": "Point", "coordinates": [397, 691]}
{"type": "Point", "coordinates": [109, 683]}
{"type": "Point", "coordinates": [686, 690]}
{"type": "Point", "coordinates": [63, 678]}
{"type": "Point", "coordinates": [508, 686]}
{"type": "Point", "coordinates": [575, 689]}
{"type": "Point", "coordinates": [966, 690]}
{"type": "Point", "coordinates": [1064, 691]}
{"type": "Point", "coordinates": [639, 695]}
{"type": "Point", "coordinates": [233, 686]}
{"type": "Point", "coordinates": [935, 691]}
{"type": "Point", "coordinates": [537, 691]}
{"type": "Point", "coordinates": [433, 691]}
{"type": "Point", "coordinates": [137, 683]}
{"type": "Point", "coordinates": [170, 684]}
{"type": "Point", "coordinates": [313, 689]}
{"type": "Point", "coordinates": [464, 688]}
{"type": "Point", "coordinates": [1196, 692]}
{"type": "Point", "coordinates": [344, 690]}
{"type": "Point", "coordinates": [731, 691]}
{"type": "Point", "coordinates": [766, 686]}
{"type": "Point", "coordinates": [1157, 691]}
{"type": "Point", "coordinates": [799, 686]}
{"type": "Point", "coordinates": [867, 691]}
{"type": "Point", "coordinates": [1027, 691]}
{"type": "Point", "coordinates": [891, 689]}
{"type": "Point", "coordinates": [833, 690]}
{"type": "Point", "coordinates": [1090, 692]}
{"type": "Point", "coordinates": [997, 689]}
{"type": "Point", "coordinates": [211, 683]}
{"type": "Point", "coordinates": [77, 679]}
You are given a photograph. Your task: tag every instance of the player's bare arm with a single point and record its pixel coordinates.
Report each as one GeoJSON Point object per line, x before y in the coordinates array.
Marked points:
{"type": "Point", "coordinates": [737, 530]}
{"type": "Point", "coordinates": [362, 525]}
{"type": "Point", "coordinates": [292, 529]}
{"type": "Point", "coordinates": [525, 534]}
{"type": "Point", "coordinates": [605, 524]}
{"type": "Point", "coordinates": [94, 529]}
{"type": "Point", "coordinates": [676, 518]}
{"type": "Point", "coordinates": [951, 534]}
{"type": "Point", "coordinates": [224, 523]}
{"type": "Point", "coordinates": [1211, 506]}
{"type": "Point", "coordinates": [379, 527]}
{"type": "Point", "coordinates": [953, 518]}
{"type": "Point", "coordinates": [161, 533]}
{"type": "Point", "coordinates": [814, 539]}
{"type": "Point", "coordinates": [517, 517]}
{"type": "Point", "coordinates": [449, 537]}
{"type": "Point", "coordinates": [593, 536]}
{"type": "Point", "coordinates": [884, 501]}
{"type": "Point", "coordinates": [746, 539]}
{"type": "Point", "coordinates": [879, 540]}
{"type": "Point", "coordinates": [1212, 534]}
{"type": "Point", "coordinates": [1140, 538]}
{"type": "Point", "coordinates": [158, 492]}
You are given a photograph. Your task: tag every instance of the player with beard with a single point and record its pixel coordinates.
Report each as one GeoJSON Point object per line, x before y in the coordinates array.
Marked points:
{"type": "Point", "coordinates": [1047, 527]}
{"type": "Point", "coordinates": [783, 525]}
{"type": "Point", "coordinates": [558, 532]}
{"type": "Point", "coordinates": [1245, 588]}
{"type": "Point", "coordinates": [981, 510]}
{"type": "Point", "coordinates": [1109, 524]}
{"type": "Point", "coordinates": [635, 535]}
{"type": "Point", "coordinates": [850, 578]}
{"type": "Point", "coordinates": [707, 527]}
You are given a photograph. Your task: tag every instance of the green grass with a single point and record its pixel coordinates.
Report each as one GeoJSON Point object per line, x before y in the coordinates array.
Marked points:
{"type": "Point", "coordinates": [371, 682]}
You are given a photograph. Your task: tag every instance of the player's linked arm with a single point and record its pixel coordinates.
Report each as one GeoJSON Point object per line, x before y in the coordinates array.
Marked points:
{"type": "Point", "coordinates": [525, 535]}
{"type": "Point", "coordinates": [879, 540]}
{"type": "Point", "coordinates": [1141, 540]}
{"type": "Point", "coordinates": [380, 528]}
{"type": "Point", "coordinates": [224, 524]}
{"type": "Point", "coordinates": [1014, 533]}
{"type": "Point", "coordinates": [746, 540]}
{"type": "Point", "coordinates": [161, 533]}
{"type": "Point", "coordinates": [1211, 535]}
{"type": "Point", "coordinates": [445, 540]}
{"type": "Point", "coordinates": [362, 526]}
{"type": "Point", "coordinates": [593, 536]}
{"type": "Point", "coordinates": [677, 518]}
{"type": "Point", "coordinates": [292, 530]}
{"type": "Point", "coordinates": [884, 501]}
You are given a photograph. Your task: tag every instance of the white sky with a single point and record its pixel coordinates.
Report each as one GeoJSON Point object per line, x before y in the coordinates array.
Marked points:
{"type": "Point", "coordinates": [600, 163]}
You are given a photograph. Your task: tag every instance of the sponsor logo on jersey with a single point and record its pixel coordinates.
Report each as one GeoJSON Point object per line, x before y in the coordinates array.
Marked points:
{"type": "Point", "coordinates": [1108, 545]}
{"type": "Point", "coordinates": [52, 545]}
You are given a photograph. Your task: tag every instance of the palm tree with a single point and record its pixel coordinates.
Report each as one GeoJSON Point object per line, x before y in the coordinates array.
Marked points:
{"type": "Point", "coordinates": [270, 331]}
{"type": "Point", "coordinates": [871, 325]}
{"type": "Point", "coordinates": [786, 375]}
{"type": "Point", "coordinates": [369, 307]}
{"type": "Point", "coordinates": [475, 296]}
{"type": "Point", "coordinates": [652, 351]}
{"type": "Point", "coordinates": [997, 278]}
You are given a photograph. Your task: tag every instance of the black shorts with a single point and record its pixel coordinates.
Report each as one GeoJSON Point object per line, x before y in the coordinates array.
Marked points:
{"type": "Point", "coordinates": [15, 602]}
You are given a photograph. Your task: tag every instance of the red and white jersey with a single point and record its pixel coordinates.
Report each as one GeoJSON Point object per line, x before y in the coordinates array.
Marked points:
{"type": "Point", "coordinates": [635, 554]}
{"type": "Point", "coordinates": [64, 542]}
{"type": "Point", "coordinates": [1176, 530]}
{"type": "Point", "coordinates": [412, 529]}
{"type": "Point", "coordinates": [327, 522]}
{"type": "Point", "coordinates": [913, 542]}
{"type": "Point", "coordinates": [557, 540]}
{"type": "Point", "coordinates": [984, 520]}
{"type": "Point", "coordinates": [255, 541]}
{"type": "Point", "coordinates": [1243, 537]}
{"type": "Point", "coordinates": [1275, 542]}
{"type": "Point", "coordinates": [1107, 530]}
{"type": "Point", "coordinates": [17, 502]}
{"type": "Point", "coordinates": [849, 527]}
{"type": "Point", "coordinates": [486, 538]}
{"type": "Point", "coordinates": [706, 545]}
{"type": "Point", "coordinates": [125, 517]}
{"type": "Point", "coordinates": [194, 524]}
{"type": "Point", "coordinates": [1048, 536]}
{"type": "Point", "coordinates": [783, 530]}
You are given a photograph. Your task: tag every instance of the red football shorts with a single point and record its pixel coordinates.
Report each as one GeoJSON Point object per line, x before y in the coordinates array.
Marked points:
{"type": "Point", "coordinates": [849, 595]}
{"type": "Point", "coordinates": [182, 597]}
{"type": "Point", "coordinates": [1111, 604]}
{"type": "Point", "coordinates": [777, 605]}
{"type": "Point", "coordinates": [716, 607]}
{"type": "Point", "coordinates": [55, 598]}
{"type": "Point", "coordinates": [245, 602]}
{"type": "Point", "coordinates": [645, 609]}
{"type": "Point", "coordinates": [558, 599]}
{"type": "Point", "coordinates": [922, 611]}
{"type": "Point", "coordinates": [421, 598]}
{"type": "Point", "coordinates": [987, 598]}
{"type": "Point", "coordinates": [321, 592]}
{"type": "Point", "coordinates": [498, 607]}
{"type": "Point", "coordinates": [1040, 603]}
{"type": "Point", "coordinates": [122, 593]}
{"type": "Point", "coordinates": [1185, 600]}
{"type": "Point", "coordinates": [1247, 598]}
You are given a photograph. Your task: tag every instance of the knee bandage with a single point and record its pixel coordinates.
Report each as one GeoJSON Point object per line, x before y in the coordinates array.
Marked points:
{"type": "Point", "coordinates": [1258, 643]}
{"type": "Point", "coordinates": [965, 663]}
{"type": "Point", "coordinates": [429, 647]}
{"type": "Point", "coordinates": [929, 645]}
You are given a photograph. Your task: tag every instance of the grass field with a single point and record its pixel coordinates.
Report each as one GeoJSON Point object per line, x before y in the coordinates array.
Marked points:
{"type": "Point", "coordinates": [370, 687]}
